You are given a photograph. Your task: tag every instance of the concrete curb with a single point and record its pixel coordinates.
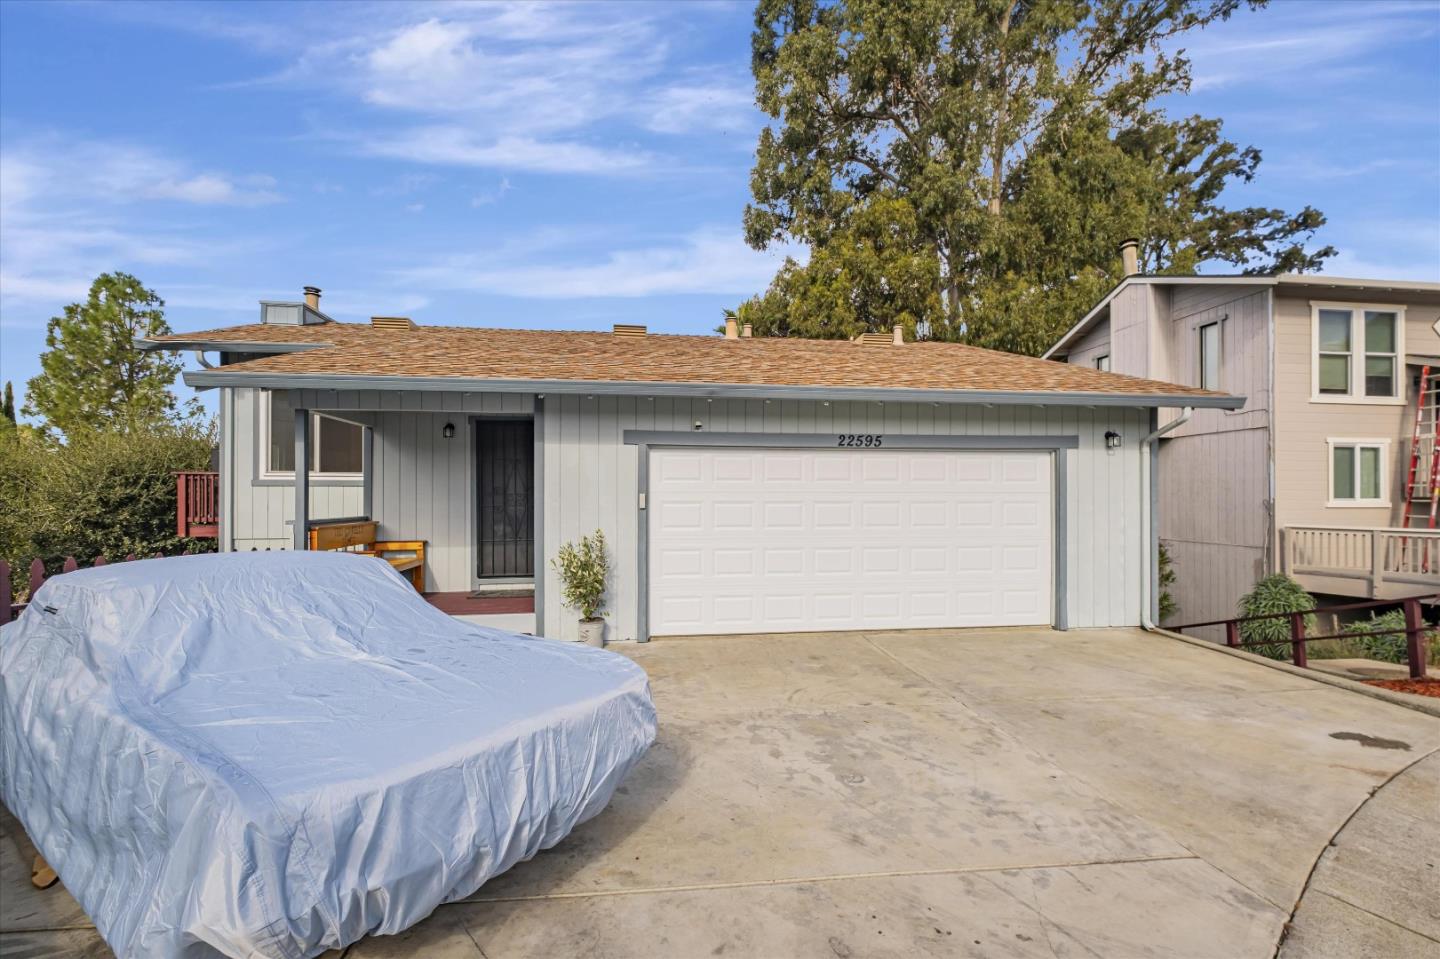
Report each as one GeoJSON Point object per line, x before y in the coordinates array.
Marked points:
{"type": "Point", "coordinates": [1417, 703]}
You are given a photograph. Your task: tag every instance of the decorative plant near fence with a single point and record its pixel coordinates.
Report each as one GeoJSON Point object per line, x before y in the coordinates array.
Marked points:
{"type": "Point", "coordinates": [1386, 640]}
{"type": "Point", "coordinates": [1277, 593]}
{"type": "Point", "coordinates": [583, 569]}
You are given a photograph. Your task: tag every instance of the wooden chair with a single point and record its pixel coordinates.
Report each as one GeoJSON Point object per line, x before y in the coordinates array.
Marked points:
{"type": "Point", "coordinates": [407, 556]}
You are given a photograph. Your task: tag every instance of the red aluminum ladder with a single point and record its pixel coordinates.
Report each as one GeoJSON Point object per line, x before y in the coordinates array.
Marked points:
{"type": "Point", "coordinates": [1422, 483]}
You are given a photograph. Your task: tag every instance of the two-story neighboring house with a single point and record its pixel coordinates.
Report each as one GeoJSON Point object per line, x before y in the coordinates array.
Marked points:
{"type": "Point", "coordinates": [1313, 475]}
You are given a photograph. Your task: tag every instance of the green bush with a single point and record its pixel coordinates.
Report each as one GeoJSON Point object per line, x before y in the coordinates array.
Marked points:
{"type": "Point", "coordinates": [583, 569]}
{"type": "Point", "coordinates": [1273, 594]}
{"type": "Point", "coordinates": [1386, 636]}
{"type": "Point", "coordinates": [100, 494]}
{"type": "Point", "coordinates": [1168, 606]}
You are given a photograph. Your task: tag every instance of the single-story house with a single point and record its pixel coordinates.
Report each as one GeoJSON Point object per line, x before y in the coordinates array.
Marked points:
{"type": "Point", "coordinates": [745, 484]}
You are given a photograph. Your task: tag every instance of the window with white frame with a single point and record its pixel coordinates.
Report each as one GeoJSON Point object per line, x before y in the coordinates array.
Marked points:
{"type": "Point", "coordinates": [336, 446]}
{"type": "Point", "coordinates": [1358, 475]}
{"type": "Point", "coordinates": [1102, 362]}
{"type": "Point", "coordinates": [1209, 334]}
{"type": "Point", "coordinates": [1358, 351]}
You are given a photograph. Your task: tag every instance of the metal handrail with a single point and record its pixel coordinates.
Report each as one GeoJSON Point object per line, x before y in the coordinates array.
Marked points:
{"type": "Point", "coordinates": [1416, 632]}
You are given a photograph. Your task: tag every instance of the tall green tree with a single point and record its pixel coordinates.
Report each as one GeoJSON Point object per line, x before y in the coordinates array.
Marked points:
{"type": "Point", "coordinates": [7, 405]}
{"type": "Point", "coordinates": [92, 377]}
{"type": "Point", "coordinates": [1003, 149]}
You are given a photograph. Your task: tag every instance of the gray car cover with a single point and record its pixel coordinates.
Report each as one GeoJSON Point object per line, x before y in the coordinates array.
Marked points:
{"type": "Point", "coordinates": [272, 754]}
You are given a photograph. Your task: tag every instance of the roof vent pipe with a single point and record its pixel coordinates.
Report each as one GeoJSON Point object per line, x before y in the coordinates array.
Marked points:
{"type": "Point", "coordinates": [1130, 257]}
{"type": "Point", "coordinates": [899, 334]}
{"type": "Point", "coordinates": [732, 329]}
{"type": "Point", "coordinates": [312, 297]}
{"type": "Point", "coordinates": [748, 330]}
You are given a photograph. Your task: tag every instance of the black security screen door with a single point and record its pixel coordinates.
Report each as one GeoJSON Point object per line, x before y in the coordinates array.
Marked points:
{"type": "Point", "coordinates": [505, 467]}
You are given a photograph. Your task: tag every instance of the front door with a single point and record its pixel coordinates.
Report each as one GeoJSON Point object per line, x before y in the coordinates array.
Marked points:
{"type": "Point", "coordinates": [505, 474]}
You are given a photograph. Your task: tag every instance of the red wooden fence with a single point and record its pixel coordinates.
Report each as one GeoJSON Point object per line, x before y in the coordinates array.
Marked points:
{"type": "Point", "coordinates": [197, 504]}
{"type": "Point", "coordinates": [9, 610]}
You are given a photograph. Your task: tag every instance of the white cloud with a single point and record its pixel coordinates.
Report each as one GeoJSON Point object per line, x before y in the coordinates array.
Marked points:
{"type": "Point", "coordinates": [66, 212]}
{"type": "Point", "coordinates": [711, 260]}
{"type": "Point", "coordinates": [55, 169]}
{"type": "Point", "coordinates": [457, 146]}
{"type": "Point", "coordinates": [546, 87]}
{"type": "Point", "coordinates": [1311, 43]}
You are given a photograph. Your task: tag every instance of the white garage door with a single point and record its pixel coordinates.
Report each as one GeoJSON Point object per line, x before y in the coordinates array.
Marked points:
{"type": "Point", "coordinates": [780, 540]}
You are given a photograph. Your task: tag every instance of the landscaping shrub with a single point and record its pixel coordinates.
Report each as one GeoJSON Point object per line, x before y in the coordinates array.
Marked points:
{"type": "Point", "coordinates": [98, 494]}
{"type": "Point", "coordinates": [584, 568]}
{"type": "Point", "coordinates": [1273, 594]}
{"type": "Point", "coordinates": [1168, 606]}
{"type": "Point", "coordinates": [1386, 639]}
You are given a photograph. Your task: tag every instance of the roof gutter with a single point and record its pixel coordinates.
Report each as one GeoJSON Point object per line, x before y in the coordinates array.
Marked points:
{"type": "Point", "coordinates": [209, 379]}
{"type": "Point", "coordinates": [226, 346]}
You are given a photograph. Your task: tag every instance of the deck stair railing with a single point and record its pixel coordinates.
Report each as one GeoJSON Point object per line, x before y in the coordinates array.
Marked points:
{"type": "Point", "coordinates": [1390, 560]}
{"type": "Point", "coordinates": [197, 504]}
{"type": "Point", "coordinates": [1417, 632]}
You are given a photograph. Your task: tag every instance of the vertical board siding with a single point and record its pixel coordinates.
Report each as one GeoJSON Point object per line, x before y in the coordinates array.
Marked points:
{"type": "Point", "coordinates": [262, 509]}
{"type": "Point", "coordinates": [1215, 510]}
{"type": "Point", "coordinates": [1106, 555]}
{"type": "Point", "coordinates": [1092, 345]}
{"type": "Point", "coordinates": [424, 484]}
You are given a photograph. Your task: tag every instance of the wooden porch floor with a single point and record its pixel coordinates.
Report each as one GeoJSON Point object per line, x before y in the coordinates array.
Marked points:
{"type": "Point", "coordinates": [463, 604]}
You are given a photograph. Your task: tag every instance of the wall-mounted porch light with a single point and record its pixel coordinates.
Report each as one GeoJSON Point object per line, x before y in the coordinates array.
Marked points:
{"type": "Point", "coordinates": [448, 431]}
{"type": "Point", "coordinates": [1112, 440]}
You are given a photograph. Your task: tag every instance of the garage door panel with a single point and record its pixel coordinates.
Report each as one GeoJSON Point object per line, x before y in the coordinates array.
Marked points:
{"type": "Point", "coordinates": [848, 539]}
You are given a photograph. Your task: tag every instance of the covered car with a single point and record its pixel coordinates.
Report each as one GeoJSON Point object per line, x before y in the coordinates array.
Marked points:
{"type": "Point", "coordinates": [272, 754]}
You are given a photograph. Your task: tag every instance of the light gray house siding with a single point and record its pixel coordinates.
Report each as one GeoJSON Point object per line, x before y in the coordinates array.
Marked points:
{"type": "Point", "coordinates": [591, 481]}
{"type": "Point", "coordinates": [262, 510]}
{"type": "Point", "coordinates": [423, 486]}
{"type": "Point", "coordinates": [1215, 485]}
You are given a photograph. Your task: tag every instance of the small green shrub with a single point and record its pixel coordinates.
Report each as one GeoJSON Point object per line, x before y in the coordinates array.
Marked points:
{"type": "Point", "coordinates": [583, 569]}
{"type": "Point", "coordinates": [1168, 606]}
{"type": "Point", "coordinates": [1277, 593]}
{"type": "Point", "coordinates": [1386, 636]}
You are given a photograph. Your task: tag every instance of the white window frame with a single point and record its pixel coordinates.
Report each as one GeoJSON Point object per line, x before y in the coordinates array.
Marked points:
{"type": "Point", "coordinates": [264, 433]}
{"type": "Point", "coordinates": [1103, 358]}
{"type": "Point", "coordinates": [1383, 445]}
{"type": "Point", "coordinates": [1200, 328]}
{"type": "Point", "coordinates": [1357, 396]}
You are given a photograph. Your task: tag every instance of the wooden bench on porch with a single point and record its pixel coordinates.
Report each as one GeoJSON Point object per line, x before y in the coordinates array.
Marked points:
{"type": "Point", "coordinates": [358, 536]}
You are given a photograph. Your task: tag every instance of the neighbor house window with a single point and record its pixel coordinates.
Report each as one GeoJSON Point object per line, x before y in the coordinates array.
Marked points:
{"type": "Point", "coordinates": [1103, 362]}
{"type": "Point", "coordinates": [1357, 353]}
{"type": "Point", "coordinates": [336, 446]}
{"type": "Point", "coordinates": [1357, 472]}
{"type": "Point", "coordinates": [1210, 356]}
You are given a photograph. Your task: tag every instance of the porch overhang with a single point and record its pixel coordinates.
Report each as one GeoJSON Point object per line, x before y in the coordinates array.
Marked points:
{"type": "Point", "coordinates": [220, 378]}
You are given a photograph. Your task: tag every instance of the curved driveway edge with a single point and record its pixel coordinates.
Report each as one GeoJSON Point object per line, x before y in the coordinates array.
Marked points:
{"type": "Point", "coordinates": [1375, 890]}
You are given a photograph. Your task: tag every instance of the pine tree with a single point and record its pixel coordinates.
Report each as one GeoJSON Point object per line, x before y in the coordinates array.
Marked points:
{"type": "Point", "coordinates": [92, 375]}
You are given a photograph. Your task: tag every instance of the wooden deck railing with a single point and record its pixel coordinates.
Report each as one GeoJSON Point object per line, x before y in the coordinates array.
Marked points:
{"type": "Point", "coordinates": [1384, 563]}
{"type": "Point", "coordinates": [197, 504]}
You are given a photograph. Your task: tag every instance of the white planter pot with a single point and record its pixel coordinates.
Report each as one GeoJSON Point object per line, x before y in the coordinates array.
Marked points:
{"type": "Point", "coordinates": [592, 632]}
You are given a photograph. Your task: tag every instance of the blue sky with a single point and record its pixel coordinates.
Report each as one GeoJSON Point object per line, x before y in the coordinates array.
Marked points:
{"type": "Point", "coordinates": [552, 166]}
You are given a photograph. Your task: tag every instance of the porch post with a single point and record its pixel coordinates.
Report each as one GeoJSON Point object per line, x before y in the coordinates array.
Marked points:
{"type": "Point", "coordinates": [302, 479]}
{"type": "Point", "coordinates": [367, 469]}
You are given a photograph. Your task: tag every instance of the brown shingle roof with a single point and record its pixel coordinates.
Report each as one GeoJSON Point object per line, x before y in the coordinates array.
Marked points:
{"type": "Point", "coordinates": [356, 350]}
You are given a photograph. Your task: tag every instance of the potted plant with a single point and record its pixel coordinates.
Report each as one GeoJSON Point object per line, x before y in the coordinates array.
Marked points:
{"type": "Point", "coordinates": [583, 569]}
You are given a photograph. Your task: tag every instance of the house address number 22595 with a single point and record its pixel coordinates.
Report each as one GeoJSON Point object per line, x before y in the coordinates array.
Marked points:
{"type": "Point", "coordinates": [860, 439]}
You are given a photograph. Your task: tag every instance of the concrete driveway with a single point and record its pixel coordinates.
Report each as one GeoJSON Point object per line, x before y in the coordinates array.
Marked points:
{"type": "Point", "coordinates": [990, 793]}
